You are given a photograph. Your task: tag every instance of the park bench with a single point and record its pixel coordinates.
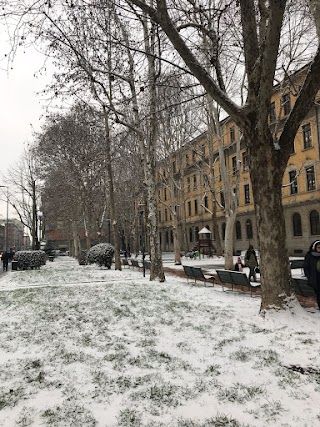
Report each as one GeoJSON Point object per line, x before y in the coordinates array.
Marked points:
{"type": "Point", "coordinates": [236, 278]}
{"type": "Point", "coordinates": [197, 273]}
{"type": "Point", "coordinates": [297, 263]}
{"type": "Point", "coordinates": [135, 264]}
{"type": "Point", "coordinates": [301, 287]}
{"type": "Point", "coordinates": [125, 262]}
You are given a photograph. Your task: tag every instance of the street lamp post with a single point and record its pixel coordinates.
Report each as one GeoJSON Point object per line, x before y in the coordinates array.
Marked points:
{"type": "Point", "coordinates": [7, 219]}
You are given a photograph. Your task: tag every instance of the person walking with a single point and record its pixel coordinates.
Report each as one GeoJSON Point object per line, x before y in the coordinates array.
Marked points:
{"type": "Point", "coordinates": [5, 260]}
{"type": "Point", "coordinates": [311, 268]}
{"type": "Point", "coordinates": [251, 261]}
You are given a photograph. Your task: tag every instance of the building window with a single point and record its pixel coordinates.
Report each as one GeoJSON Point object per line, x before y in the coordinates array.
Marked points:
{"type": "Point", "coordinates": [171, 236]}
{"type": "Point", "coordinates": [190, 235]}
{"type": "Point", "coordinates": [194, 155]}
{"type": "Point", "coordinates": [165, 215]}
{"type": "Point", "coordinates": [296, 224]}
{"type": "Point", "coordinates": [194, 182]}
{"type": "Point", "coordinates": [314, 223]}
{"type": "Point", "coordinates": [293, 182]}
{"type": "Point", "coordinates": [245, 161]}
{"type": "Point", "coordinates": [196, 207]}
{"type": "Point", "coordinates": [238, 231]}
{"type": "Point", "coordinates": [224, 231]}
{"type": "Point", "coordinates": [196, 232]}
{"type": "Point", "coordinates": [272, 112]}
{"type": "Point", "coordinates": [286, 103]}
{"type": "Point", "coordinates": [232, 134]}
{"type": "Point", "coordinates": [205, 200]}
{"type": "Point", "coordinates": [189, 208]}
{"type": "Point", "coordinates": [311, 183]}
{"type": "Point", "coordinates": [188, 184]}
{"type": "Point", "coordinates": [292, 151]}
{"type": "Point", "coordinates": [167, 238]}
{"type": "Point", "coordinates": [159, 216]}
{"type": "Point", "coordinates": [203, 150]}
{"type": "Point", "coordinates": [222, 199]}
{"type": "Point", "coordinates": [165, 193]}
{"type": "Point", "coordinates": [247, 194]}
{"type": "Point", "coordinates": [307, 140]}
{"type": "Point", "coordinates": [234, 165]}
{"type": "Point", "coordinates": [249, 229]}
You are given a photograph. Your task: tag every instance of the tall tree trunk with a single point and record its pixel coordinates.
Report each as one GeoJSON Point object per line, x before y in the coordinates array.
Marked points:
{"type": "Point", "coordinates": [267, 193]}
{"type": "Point", "coordinates": [76, 240]}
{"type": "Point", "coordinates": [113, 219]}
{"type": "Point", "coordinates": [216, 232]}
{"type": "Point", "coordinates": [176, 241]}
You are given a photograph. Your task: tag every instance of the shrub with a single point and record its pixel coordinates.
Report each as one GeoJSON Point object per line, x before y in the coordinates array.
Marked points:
{"type": "Point", "coordinates": [30, 259]}
{"type": "Point", "coordinates": [101, 254]}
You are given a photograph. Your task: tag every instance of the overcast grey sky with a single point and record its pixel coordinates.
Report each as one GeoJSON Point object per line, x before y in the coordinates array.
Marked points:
{"type": "Point", "coordinates": [20, 107]}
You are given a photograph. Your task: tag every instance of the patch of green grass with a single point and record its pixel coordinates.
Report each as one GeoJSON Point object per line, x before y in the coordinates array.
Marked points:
{"type": "Point", "coordinates": [67, 415]}
{"type": "Point", "coordinates": [160, 395]}
{"type": "Point", "coordinates": [288, 378]}
{"type": "Point", "coordinates": [10, 397]}
{"type": "Point", "coordinates": [242, 355]}
{"type": "Point", "coordinates": [220, 420]}
{"type": "Point", "coordinates": [240, 393]}
{"type": "Point", "coordinates": [213, 370]}
{"type": "Point", "coordinates": [226, 341]}
{"type": "Point", "coordinates": [129, 418]}
{"type": "Point", "coordinates": [269, 411]}
{"type": "Point", "coordinates": [267, 358]}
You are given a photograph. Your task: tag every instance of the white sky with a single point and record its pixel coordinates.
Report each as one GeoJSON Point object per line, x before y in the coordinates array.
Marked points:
{"type": "Point", "coordinates": [21, 109]}
{"type": "Point", "coordinates": [85, 346]}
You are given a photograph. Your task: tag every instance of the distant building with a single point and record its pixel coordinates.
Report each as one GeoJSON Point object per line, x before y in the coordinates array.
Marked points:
{"type": "Point", "coordinates": [192, 198]}
{"type": "Point", "coordinates": [15, 235]}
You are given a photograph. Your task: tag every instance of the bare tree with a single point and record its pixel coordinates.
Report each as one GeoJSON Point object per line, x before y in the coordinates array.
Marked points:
{"type": "Point", "coordinates": [25, 190]}
{"type": "Point", "coordinates": [252, 31]}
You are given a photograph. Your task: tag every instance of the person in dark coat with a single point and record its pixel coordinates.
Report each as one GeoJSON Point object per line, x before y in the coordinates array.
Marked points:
{"type": "Point", "coordinates": [251, 261]}
{"type": "Point", "coordinates": [311, 268]}
{"type": "Point", "coordinates": [5, 260]}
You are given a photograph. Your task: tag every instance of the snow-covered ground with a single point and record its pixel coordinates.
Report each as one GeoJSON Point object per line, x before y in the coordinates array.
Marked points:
{"type": "Point", "coordinates": [87, 346]}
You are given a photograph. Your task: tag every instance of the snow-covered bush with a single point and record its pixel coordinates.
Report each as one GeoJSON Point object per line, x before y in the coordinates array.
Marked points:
{"type": "Point", "coordinates": [30, 259]}
{"type": "Point", "coordinates": [101, 254]}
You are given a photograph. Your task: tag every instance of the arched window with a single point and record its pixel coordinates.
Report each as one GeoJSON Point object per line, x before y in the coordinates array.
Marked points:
{"type": "Point", "coordinates": [190, 235]}
{"type": "Point", "coordinates": [223, 230]}
{"type": "Point", "coordinates": [296, 224]}
{"type": "Point", "coordinates": [314, 222]}
{"type": "Point", "coordinates": [196, 232]}
{"type": "Point", "coordinates": [249, 229]}
{"type": "Point", "coordinates": [238, 231]}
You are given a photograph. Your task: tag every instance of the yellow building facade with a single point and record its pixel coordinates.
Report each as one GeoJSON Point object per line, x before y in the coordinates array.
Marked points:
{"type": "Point", "coordinates": [189, 189]}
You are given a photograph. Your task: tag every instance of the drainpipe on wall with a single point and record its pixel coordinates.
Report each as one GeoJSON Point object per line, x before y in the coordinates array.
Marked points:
{"type": "Point", "coordinates": [318, 127]}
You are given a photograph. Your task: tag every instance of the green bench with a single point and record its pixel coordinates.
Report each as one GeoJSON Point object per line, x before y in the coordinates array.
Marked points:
{"type": "Point", "coordinates": [196, 273]}
{"type": "Point", "coordinates": [236, 278]}
{"type": "Point", "coordinates": [301, 287]}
